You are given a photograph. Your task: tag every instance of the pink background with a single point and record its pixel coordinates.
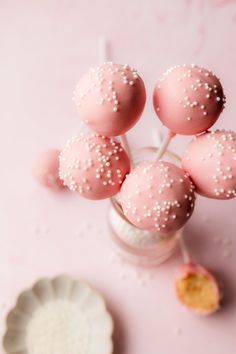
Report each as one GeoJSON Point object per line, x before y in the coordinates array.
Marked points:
{"type": "Point", "coordinates": [45, 47]}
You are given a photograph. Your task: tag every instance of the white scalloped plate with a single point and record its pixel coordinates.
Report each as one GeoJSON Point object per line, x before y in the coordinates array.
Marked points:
{"type": "Point", "coordinates": [59, 316]}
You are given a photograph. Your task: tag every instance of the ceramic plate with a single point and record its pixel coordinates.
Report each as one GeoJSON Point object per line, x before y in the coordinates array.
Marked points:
{"type": "Point", "coordinates": [59, 316]}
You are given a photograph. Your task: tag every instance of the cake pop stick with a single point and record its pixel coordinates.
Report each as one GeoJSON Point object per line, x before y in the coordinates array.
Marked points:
{"type": "Point", "coordinates": [157, 137]}
{"type": "Point", "coordinates": [104, 57]}
{"type": "Point", "coordinates": [164, 145]}
{"type": "Point", "coordinates": [161, 143]}
{"type": "Point", "coordinates": [195, 287]}
{"type": "Point", "coordinates": [183, 248]}
{"type": "Point", "coordinates": [125, 144]}
{"type": "Point", "coordinates": [103, 50]}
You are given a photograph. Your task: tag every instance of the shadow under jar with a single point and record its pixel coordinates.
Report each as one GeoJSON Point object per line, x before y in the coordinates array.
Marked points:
{"type": "Point", "coordinates": [141, 247]}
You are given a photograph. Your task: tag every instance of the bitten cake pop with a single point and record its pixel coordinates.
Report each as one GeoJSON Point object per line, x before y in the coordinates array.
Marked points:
{"type": "Point", "coordinates": [197, 289]}
{"type": "Point", "coordinates": [210, 159]}
{"type": "Point", "coordinates": [110, 98]}
{"type": "Point", "coordinates": [46, 169]}
{"type": "Point", "coordinates": [157, 196]}
{"type": "Point", "coordinates": [188, 99]}
{"type": "Point", "coordinates": [94, 166]}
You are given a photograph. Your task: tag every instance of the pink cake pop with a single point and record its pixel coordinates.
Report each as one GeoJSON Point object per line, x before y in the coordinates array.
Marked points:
{"type": "Point", "coordinates": [95, 166]}
{"type": "Point", "coordinates": [157, 196]}
{"type": "Point", "coordinates": [210, 159]}
{"type": "Point", "coordinates": [110, 98]}
{"type": "Point", "coordinates": [188, 99]}
{"type": "Point", "coordinates": [46, 169]}
{"type": "Point", "coordinates": [197, 289]}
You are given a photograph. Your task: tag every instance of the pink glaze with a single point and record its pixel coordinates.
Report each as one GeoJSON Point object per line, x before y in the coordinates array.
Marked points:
{"type": "Point", "coordinates": [210, 159]}
{"type": "Point", "coordinates": [46, 169]}
{"type": "Point", "coordinates": [110, 98]}
{"type": "Point", "coordinates": [157, 196]}
{"type": "Point", "coordinates": [188, 99]}
{"type": "Point", "coordinates": [94, 166]}
{"type": "Point", "coordinates": [184, 270]}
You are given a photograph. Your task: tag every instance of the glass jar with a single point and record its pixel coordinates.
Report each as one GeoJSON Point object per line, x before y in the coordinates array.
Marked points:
{"type": "Point", "coordinates": [137, 246]}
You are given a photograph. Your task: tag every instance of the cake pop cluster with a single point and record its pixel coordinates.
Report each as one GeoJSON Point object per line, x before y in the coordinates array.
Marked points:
{"type": "Point", "coordinates": [157, 196]}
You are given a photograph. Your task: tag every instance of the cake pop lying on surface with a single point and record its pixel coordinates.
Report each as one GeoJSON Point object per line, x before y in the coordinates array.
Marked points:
{"type": "Point", "coordinates": [110, 98]}
{"type": "Point", "coordinates": [157, 196]}
{"type": "Point", "coordinates": [95, 166]}
{"type": "Point", "coordinates": [197, 289]}
{"type": "Point", "coordinates": [188, 99]}
{"type": "Point", "coordinates": [46, 169]}
{"type": "Point", "coordinates": [210, 159]}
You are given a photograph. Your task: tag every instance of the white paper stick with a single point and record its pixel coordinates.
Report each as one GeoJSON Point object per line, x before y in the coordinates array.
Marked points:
{"type": "Point", "coordinates": [164, 145]}
{"type": "Point", "coordinates": [157, 137]}
{"type": "Point", "coordinates": [102, 48]}
{"type": "Point", "coordinates": [183, 247]}
{"type": "Point", "coordinates": [103, 57]}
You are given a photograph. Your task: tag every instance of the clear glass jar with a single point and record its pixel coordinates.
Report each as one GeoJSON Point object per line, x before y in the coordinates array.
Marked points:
{"type": "Point", "coordinates": [134, 245]}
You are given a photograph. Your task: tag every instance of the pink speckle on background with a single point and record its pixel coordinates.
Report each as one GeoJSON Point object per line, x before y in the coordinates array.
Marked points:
{"type": "Point", "coordinates": [45, 48]}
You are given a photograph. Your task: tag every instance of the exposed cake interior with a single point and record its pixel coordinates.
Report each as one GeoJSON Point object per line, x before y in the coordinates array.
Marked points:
{"type": "Point", "coordinates": [198, 292]}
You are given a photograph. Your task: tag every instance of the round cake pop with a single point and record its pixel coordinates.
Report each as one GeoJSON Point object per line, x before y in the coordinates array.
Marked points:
{"type": "Point", "coordinates": [110, 98]}
{"type": "Point", "coordinates": [95, 166]}
{"type": "Point", "coordinates": [197, 289]}
{"type": "Point", "coordinates": [210, 159]}
{"type": "Point", "coordinates": [46, 169]}
{"type": "Point", "coordinates": [157, 196]}
{"type": "Point", "coordinates": [188, 99]}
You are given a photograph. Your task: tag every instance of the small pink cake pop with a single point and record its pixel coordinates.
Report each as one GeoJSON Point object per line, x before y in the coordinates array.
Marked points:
{"type": "Point", "coordinates": [110, 98]}
{"type": "Point", "coordinates": [95, 166]}
{"type": "Point", "coordinates": [210, 159]}
{"type": "Point", "coordinates": [188, 99]}
{"type": "Point", "coordinates": [197, 289]}
{"type": "Point", "coordinates": [157, 196]}
{"type": "Point", "coordinates": [46, 169]}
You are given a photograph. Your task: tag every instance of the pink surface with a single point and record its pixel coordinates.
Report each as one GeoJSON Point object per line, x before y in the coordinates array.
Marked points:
{"type": "Point", "coordinates": [46, 46]}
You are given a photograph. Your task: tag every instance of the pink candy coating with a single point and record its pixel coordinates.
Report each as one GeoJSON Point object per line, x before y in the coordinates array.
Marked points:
{"type": "Point", "coordinates": [210, 159]}
{"type": "Point", "coordinates": [157, 196]}
{"type": "Point", "coordinates": [183, 271]}
{"type": "Point", "coordinates": [46, 169]}
{"type": "Point", "coordinates": [110, 98]}
{"type": "Point", "coordinates": [94, 166]}
{"type": "Point", "coordinates": [188, 99]}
